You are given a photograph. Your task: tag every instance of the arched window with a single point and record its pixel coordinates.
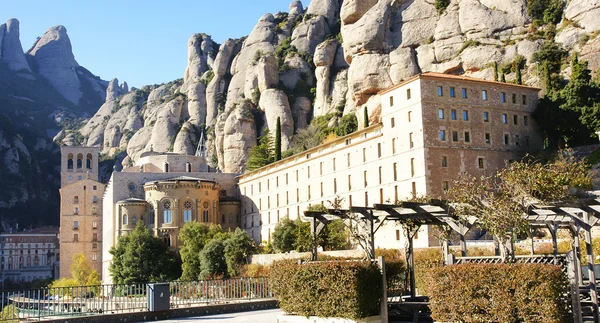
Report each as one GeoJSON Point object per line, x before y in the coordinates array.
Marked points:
{"type": "Point", "coordinates": [205, 212]}
{"type": "Point", "coordinates": [187, 211]}
{"type": "Point", "coordinates": [88, 161]}
{"type": "Point", "coordinates": [124, 218]}
{"type": "Point", "coordinates": [70, 161]}
{"type": "Point", "coordinates": [167, 212]}
{"type": "Point", "coordinates": [28, 260]}
{"type": "Point", "coordinates": [36, 261]}
{"type": "Point", "coordinates": [150, 214]}
{"type": "Point", "coordinates": [79, 161]}
{"type": "Point", "coordinates": [134, 220]}
{"type": "Point", "coordinates": [167, 239]}
{"type": "Point", "coordinates": [188, 167]}
{"type": "Point", "coordinates": [166, 167]}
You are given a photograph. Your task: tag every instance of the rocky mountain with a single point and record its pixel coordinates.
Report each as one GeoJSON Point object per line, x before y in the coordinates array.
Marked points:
{"type": "Point", "coordinates": [41, 91]}
{"type": "Point", "coordinates": [327, 60]}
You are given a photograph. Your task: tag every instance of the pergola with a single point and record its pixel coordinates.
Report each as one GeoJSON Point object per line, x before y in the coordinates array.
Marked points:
{"type": "Point", "coordinates": [413, 215]}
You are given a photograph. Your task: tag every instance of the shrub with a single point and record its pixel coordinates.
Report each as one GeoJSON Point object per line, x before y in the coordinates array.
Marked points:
{"type": "Point", "coordinates": [327, 289]}
{"type": "Point", "coordinates": [426, 260]}
{"type": "Point", "coordinates": [473, 293]}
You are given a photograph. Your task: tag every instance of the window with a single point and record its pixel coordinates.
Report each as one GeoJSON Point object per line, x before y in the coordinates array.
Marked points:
{"type": "Point", "coordinates": [407, 94]}
{"type": "Point", "coordinates": [365, 178]}
{"type": "Point", "coordinates": [414, 188]}
{"type": "Point", "coordinates": [393, 146]}
{"type": "Point", "coordinates": [488, 139]}
{"type": "Point", "coordinates": [467, 136]}
{"type": "Point", "coordinates": [515, 119]}
{"type": "Point", "coordinates": [187, 211]}
{"type": "Point", "coordinates": [524, 97]}
{"type": "Point", "coordinates": [94, 257]}
{"type": "Point", "coordinates": [75, 237]}
{"type": "Point", "coordinates": [366, 198]}
{"type": "Point", "coordinates": [464, 93]}
{"type": "Point", "coordinates": [391, 100]}
{"type": "Point", "coordinates": [527, 141]}
{"type": "Point", "coordinates": [506, 139]}
{"type": "Point", "coordinates": [398, 235]}
{"type": "Point", "coordinates": [94, 225]}
{"type": "Point", "coordinates": [517, 137]}
{"type": "Point", "coordinates": [334, 186]}
{"type": "Point", "coordinates": [486, 116]}
{"type": "Point", "coordinates": [380, 175]}
{"type": "Point", "coordinates": [504, 118]}
{"type": "Point", "coordinates": [480, 163]}
{"type": "Point", "coordinates": [125, 219]}
{"type": "Point", "coordinates": [348, 159]}
{"type": "Point", "coordinates": [79, 178]}
{"type": "Point", "coordinates": [205, 215]}
{"type": "Point", "coordinates": [94, 187]}
{"type": "Point", "coordinates": [379, 150]}
{"type": "Point", "coordinates": [514, 98]}
{"type": "Point", "coordinates": [307, 171]}
{"type": "Point", "coordinates": [484, 95]}
{"type": "Point", "coordinates": [321, 168]}
{"type": "Point", "coordinates": [455, 136]}
{"type": "Point", "coordinates": [349, 183]}
{"type": "Point", "coordinates": [94, 199]}
{"type": "Point", "coordinates": [321, 189]}
{"type": "Point", "coordinates": [70, 177]}
{"type": "Point", "coordinates": [440, 113]}
{"type": "Point", "coordinates": [525, 121]}
{"type": "Point", "coordinates": [308, 190]}
{"type": "Point", "coordinates": [503, 97]}
{"type": "Point", "coordinates": [452, 94]}
{"type": "Point", "coordinates": [465, 115]}
{"type": "Point", "coordinates": [333, 164]}
{"type": "Point", "coordinates": [444, 161]}
{"type": "Point", "coordinates": [167, 212]}
{"type": "Point", "coordinates": [453, 114]}
{"type": "Point", "coordinates": [364, 153]}
{"type": "Point", "coordinates": [76, 199]}
{"type": "Point", "coordinates": [442, 135]}
{"type": "Point", "coordinates": [76, 211]}
{"type": "Point", "coordinates": [395, 172]}
{"type": "Point", "coordinates": [440, 91]}
{"type": "Point", "coordinates": [393, 122]}
{"type": "Point", "coordinates": [409, 116]}
{"type": "Point", "coordinates": [75, 225]}
{"type": "Point", "coordinates": [445, 186]}
{"type": "Point", "coordinates": [412, 167]}
{"type": "Point", "coordinates": [410, 140]}
{"type": "Point", "coordinates": [95, 236]}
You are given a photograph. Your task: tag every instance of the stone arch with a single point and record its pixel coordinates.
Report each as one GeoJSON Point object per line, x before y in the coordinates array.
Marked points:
{"type": "Point", "coordinates": [88, 161]}
{"type": "Point", "coordinates": [188, 209]}
{"type": "Point", "coordinates": [205, 211]}
{"type": "Point", "coordinates": [166, 208]}
{"type": "Point", "coordinates": [125, 219]}
{"type": "Point", "coordinates": [70, 161]}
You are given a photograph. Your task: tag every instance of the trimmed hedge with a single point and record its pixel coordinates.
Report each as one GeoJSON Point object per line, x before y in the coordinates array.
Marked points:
{"type": "Point", "coordinates": [478, 293]}
{"type": "Point", "coordinates": [345, 289]}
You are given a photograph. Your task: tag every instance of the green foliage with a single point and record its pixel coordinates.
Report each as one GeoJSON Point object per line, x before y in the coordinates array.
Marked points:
{"type": "Point", "coordinates": [296, 235]}
{"type": "Point", "coordinates": [312, 135]}
{"type": "Point", "coordinates": [441, 5]}
{"type": "Point", "coordinates": [212, 259]}
{"type": "Point", "coordinates": [208, 76]}
{"type": "Point", "coordinates": [238, 247]}
{"type": "Point", "coordinates": [284, 235]}
{"type": "Point", "coordinates": [502, 78]}
{"type": "Point", "coordinates": [549, 58]}
{"type": "Point", "coordinates": [327, 289]}
{"type": "Point", "coordinates": [10, 314]}
{"type": "Point", "coordinates": [278, 139]}
{"type": "Point", "coordinates": [426, 259]}
{"type": "Point", "coordinates": [502, 293]}
{"type": "Point", "coordinates": [468, 43]}
{"type": "Point", "coordinates": [594, 157]}
{"type": "Point", "coordinates": [194, 236]}
{"type": "Point", "coordinates": [82, 274]}
{"type": "Point", "coordinates": [348, 125]}
{"type": "Point", "coordinates": [546, 11]}
{"type": "Point", "coordinates": [495, 67]}
{"type": "Point", "coordinates": [282, 50]}
{"type": "Point", "coordinates": [366, 117]}
{"type": "Point", "coordinates": [141, 257]}
{"type": "Point", "coordinates": [263, 153]}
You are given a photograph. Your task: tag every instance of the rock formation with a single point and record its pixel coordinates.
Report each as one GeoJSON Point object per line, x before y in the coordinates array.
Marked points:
{"type": "Point", "coordinates": [11, 50]}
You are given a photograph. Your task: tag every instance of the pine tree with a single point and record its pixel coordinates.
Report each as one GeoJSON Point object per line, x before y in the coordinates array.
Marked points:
{"type": "Point", "coordinates": [278, 140]}
{"type": "Point", "coordinates": [496, 71]}
{"type": "Point", "coordinates": [366, 116]}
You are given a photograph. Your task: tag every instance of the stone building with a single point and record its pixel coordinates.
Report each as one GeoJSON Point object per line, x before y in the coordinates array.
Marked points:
{"type": "Point", "coordinates": [80, 207]}
{"type": "Point", "coordinates": [433, 127]}
{"type": "Point", "coordinates": [165, 191]}
{"type": "Point", "coordinates": [29, 255]}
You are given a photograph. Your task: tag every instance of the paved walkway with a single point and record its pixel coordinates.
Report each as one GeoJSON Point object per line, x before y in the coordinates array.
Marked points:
{"type": "Point", "coordinates": [265, 316]}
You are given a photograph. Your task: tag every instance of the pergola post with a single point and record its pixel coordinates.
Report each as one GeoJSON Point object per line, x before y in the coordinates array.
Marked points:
{"type": "Point", "coordinates": [463, 246]}
{"type": "Point", "coordinates": [372, 235]}
{"type": "Point", "coordinates": [553, 228]}
{"type": "Point", "coordinates": [577, 250]}
{"type": "Point", "coordinates": [313, 229]}
{"type": "Point", "coordinates": [411, 265]}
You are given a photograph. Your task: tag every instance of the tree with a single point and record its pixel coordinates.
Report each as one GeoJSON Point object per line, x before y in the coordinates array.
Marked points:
{"type": "Point", "coordinates": [261, 154]}
{"type": "Point", "coordinates": [348, 125]}
{"type": "Point", "coordinates": [519, 78]}
{"type": "Point", "coordinates": [499, 203]}
{"type": "Point", "coordinates": [82, 274]}
{"type": "Point", "coordinates": [496, 71]}
{"type": "Point", "coordinates": [335, 236]}
{"type": "Point", "coordinates": [278, 140]}
{"type": "Point", "coordinates": [10, 314]}
{"type": "Point", "coordinates": [366, 116]}
{"type": "Point", "coordinates": [284, 235]}
{"type": "Point", "coordinates": [502, 78]}
{"type": "Point", "coordinates": [238, 247]}
{"type": "Point", "coordinates": [212, 259]}
{"type": "Point", "coordinates": [141, 257]}
{"type": "Point", "coordinates": [194, 236]}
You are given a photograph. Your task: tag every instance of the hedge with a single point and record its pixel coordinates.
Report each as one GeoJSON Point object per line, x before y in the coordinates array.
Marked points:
{"type": "Point", "coordinates": [345, 289]}
{"type": "Point", "coordinates": [478, 293]}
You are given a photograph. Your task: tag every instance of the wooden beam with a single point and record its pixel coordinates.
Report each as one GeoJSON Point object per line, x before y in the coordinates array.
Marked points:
{"type": "Point", "coordinates": [590, 260]}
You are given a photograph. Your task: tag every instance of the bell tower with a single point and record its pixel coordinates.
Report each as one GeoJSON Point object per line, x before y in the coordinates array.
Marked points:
{"type": "Point", "coordinates": [78, 163]}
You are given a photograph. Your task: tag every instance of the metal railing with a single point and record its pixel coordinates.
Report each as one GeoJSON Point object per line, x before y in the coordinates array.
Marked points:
{"type": "Point", "coordinates": [53, 303]}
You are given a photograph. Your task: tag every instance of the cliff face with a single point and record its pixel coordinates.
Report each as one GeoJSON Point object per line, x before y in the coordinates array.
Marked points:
{"type": "Point", "coordinates": [327, 59]}
{"type": "Point", "coordinates": [40, 92]}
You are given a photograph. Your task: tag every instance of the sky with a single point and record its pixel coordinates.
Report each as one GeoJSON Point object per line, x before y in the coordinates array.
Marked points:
{"type": "Point", "coordinates": [141, 42]}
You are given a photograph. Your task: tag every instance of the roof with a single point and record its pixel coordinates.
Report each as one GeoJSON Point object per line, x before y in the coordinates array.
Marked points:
{"type": "Point", "coordinates": [131, 200]}
{"type": "Point", "coordinates": [453, 77]}
{"type": "Point", "coordinates": [182, 179]}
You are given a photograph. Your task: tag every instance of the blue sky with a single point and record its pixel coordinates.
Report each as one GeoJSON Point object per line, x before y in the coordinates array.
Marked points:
{"type": "Point", "coordinates": [141, 42]}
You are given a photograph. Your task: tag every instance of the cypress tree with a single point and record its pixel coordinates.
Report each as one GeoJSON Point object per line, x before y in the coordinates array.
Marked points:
{"type": "Point", "coordinates": [278, 140]}
{"type": "Point", "coordinates": [366, 117]}
{"type": "Point", "coordinates": [519, 77]}
{"type": "Point", "coordinates": [502, 78]}
{"type": "Point", "coordinates": [496, 71]}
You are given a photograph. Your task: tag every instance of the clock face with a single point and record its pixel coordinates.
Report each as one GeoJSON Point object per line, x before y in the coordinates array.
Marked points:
{"type": "Point", "coordinates": [131, 186]}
